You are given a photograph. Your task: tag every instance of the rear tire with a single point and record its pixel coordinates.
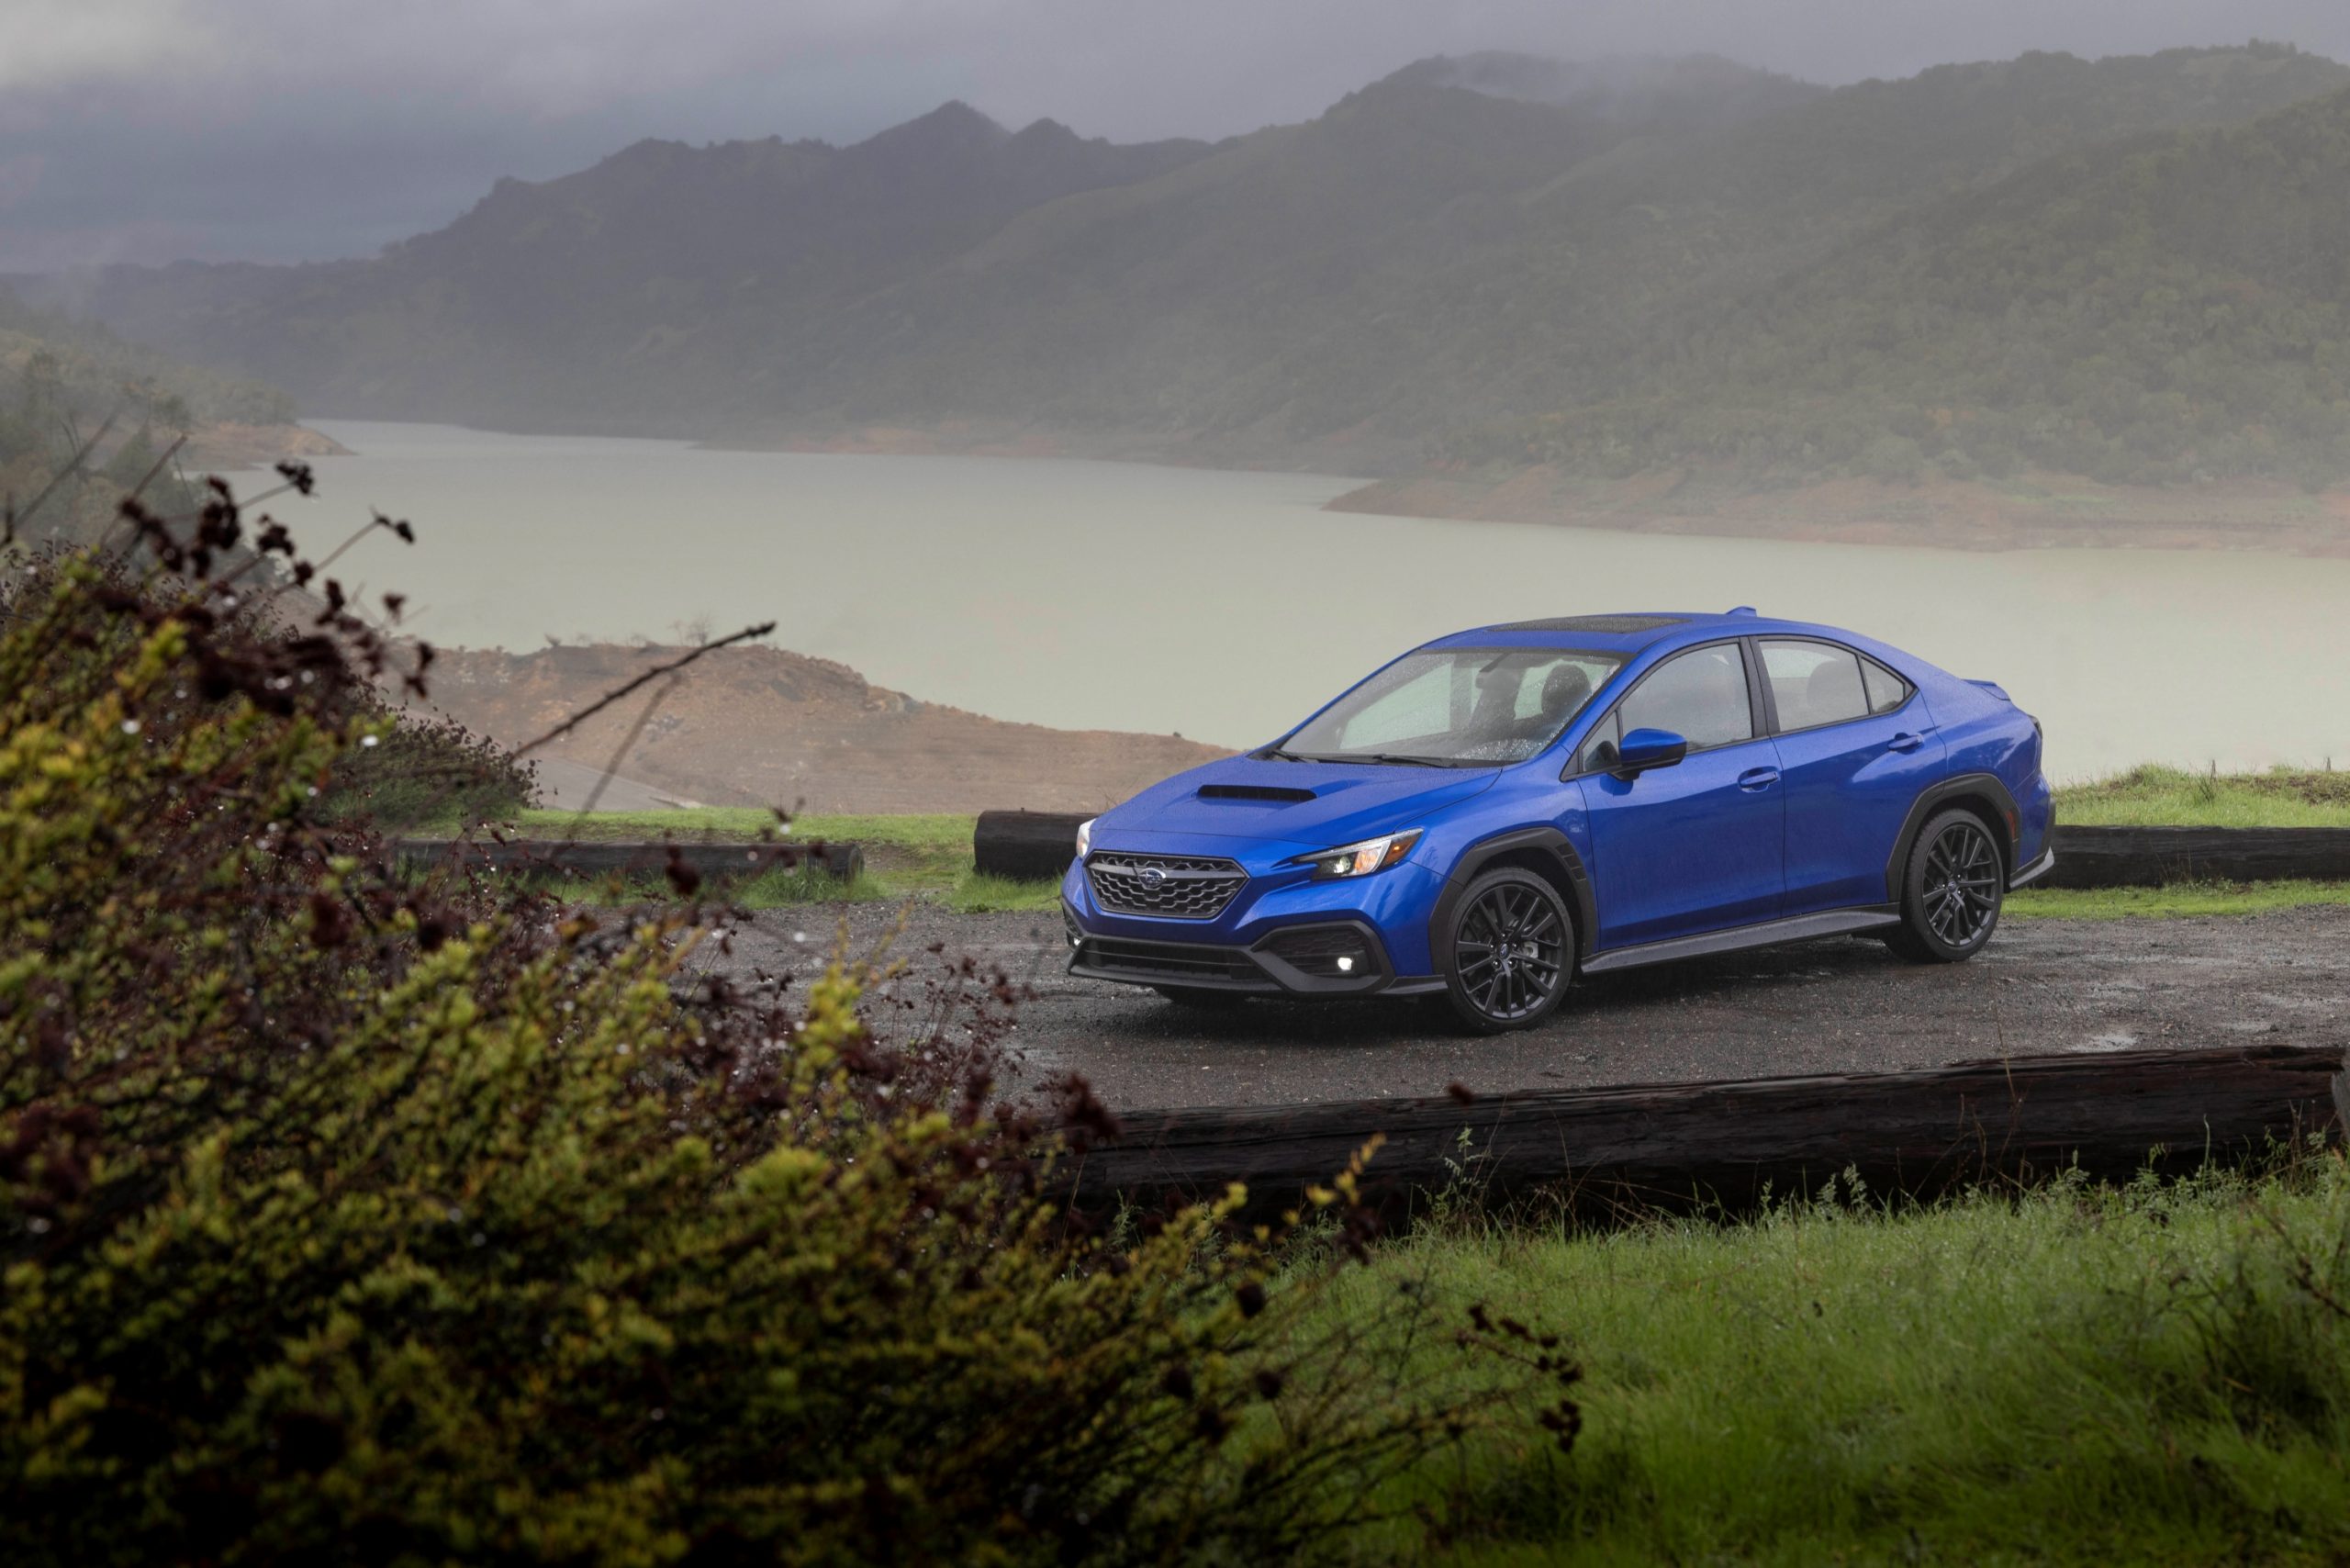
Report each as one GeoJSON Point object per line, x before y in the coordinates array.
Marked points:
{"type": "Point", "coordinates": [1952, 891]}
{"type": "Point", "coordinates": [1513, 952]}
{"type": "Point", "coordinates": [1202, 999]}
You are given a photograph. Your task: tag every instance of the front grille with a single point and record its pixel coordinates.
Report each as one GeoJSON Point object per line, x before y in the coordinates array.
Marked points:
{"type": "Point", "coordinates": [1167, 960]}
{"type": "Point", "coordinates": [1170, 887]}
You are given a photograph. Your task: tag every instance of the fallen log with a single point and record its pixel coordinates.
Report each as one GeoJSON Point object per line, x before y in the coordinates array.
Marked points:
{"type": "Point", "coordinates": [715, 862]}
{"type": "Point", "coordinates": [1029, 847]}
{"type": "Point", "coordinates": [1034, 844]}
{"type": "Point", "coordinates": [2150, 856]}
{"type": "Point", "coordinates": [1707, 1147]}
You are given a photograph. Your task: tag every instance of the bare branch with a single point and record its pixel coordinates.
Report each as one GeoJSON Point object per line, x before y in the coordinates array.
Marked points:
{"type": "Point", "coordinates": [656, 673]}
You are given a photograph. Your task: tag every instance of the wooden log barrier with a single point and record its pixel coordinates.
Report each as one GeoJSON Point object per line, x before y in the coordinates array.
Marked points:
{"type": "Point", "coordinates": [716, 862]}
{"type": "Point", "coordinates": [1031, 846]}
{"type": "Point", "coordinates": [2150, 857]}
{"type": "Point", "coordinates": [1705, 1146]}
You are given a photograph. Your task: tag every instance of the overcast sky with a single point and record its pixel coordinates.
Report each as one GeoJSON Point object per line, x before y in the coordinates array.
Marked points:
{"type": "Point", "coordinates": [286, 129]}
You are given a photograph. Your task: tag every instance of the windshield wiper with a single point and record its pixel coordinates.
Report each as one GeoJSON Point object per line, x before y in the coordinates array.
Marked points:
{"type": "Point", "coordinates": [1380, 756]}
{"type": "Point", "coordinates": [1273, 753]}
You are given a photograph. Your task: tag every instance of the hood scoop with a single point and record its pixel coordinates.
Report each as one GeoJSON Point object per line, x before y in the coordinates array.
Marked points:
{"type": "Point", "coordinates": [1254, 792]}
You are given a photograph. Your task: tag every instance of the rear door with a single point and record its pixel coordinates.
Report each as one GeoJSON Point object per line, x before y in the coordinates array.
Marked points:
{"type": "Point", "coordinates": [1698, 846]}
{"type": "Point", "coordinates": [1856, 746]}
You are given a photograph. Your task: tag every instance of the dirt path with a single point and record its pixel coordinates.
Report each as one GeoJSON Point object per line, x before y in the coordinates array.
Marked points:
{"type": "Point", "coordinates": [1842, 1004]}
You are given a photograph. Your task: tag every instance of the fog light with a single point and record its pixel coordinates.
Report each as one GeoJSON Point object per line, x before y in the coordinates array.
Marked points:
{"type": "Point", "coordinates": [1345, 964]}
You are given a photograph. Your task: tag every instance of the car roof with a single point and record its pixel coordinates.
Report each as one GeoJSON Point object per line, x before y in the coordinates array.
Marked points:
{"type": "Point", "coordinates": [1627, 632]}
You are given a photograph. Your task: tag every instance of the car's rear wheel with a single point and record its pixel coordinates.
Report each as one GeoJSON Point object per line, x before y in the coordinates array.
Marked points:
{"type": "Point", "coordinates": [1513, 952]}
{"type": "Point", "coordinates": [1952, 891]}
{"type": "Point", "coordinates": [1202, 998]}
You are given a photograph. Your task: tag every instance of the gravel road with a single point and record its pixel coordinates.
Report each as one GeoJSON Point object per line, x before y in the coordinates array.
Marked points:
{"type": "Point", "coordinates": [1841, 1004]}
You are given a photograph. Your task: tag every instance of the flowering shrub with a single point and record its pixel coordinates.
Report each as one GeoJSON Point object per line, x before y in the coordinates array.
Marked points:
{"type": "Point", "coordinates": [346, 1214]}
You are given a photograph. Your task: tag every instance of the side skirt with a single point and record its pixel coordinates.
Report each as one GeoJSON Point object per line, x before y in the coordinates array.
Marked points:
{"type": "Point", "coordinates": [1796, 928]}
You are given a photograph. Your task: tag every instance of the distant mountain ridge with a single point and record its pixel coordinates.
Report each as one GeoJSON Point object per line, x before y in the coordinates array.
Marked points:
{"type": "Point", "coordinates": [1488, 260]}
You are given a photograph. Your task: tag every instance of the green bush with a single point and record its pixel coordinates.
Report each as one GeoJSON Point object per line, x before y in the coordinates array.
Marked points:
{"type": "Point", "coordinates": [428, 771]}
{"type": "Point", "coordinates": [346, 1215]}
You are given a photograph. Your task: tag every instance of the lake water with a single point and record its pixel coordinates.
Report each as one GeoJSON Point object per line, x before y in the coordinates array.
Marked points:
{"type": "Point", "coordinates": [1226, 606]}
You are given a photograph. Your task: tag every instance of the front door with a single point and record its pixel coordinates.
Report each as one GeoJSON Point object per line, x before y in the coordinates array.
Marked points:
{"type": "Point", "coordinates": [1700, 846]}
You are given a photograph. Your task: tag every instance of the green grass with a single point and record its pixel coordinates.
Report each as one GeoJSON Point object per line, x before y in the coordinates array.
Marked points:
{"type": "Point", "coordinates": [2174, 900]}
{"type": "Point", "coordinates": [2155, 795]}
{"type": "Point", "coordinates": [912, 855]}
{"type": "Point", "coordinates": [2079, 1375]}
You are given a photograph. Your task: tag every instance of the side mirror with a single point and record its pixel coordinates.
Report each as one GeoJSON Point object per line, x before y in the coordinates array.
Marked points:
{"type": "Point", "coordinates": [1644, 749]}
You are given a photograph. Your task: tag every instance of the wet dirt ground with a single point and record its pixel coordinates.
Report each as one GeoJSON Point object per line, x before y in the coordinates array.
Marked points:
{"type": "Point", "coordinates": [1842, 1005]}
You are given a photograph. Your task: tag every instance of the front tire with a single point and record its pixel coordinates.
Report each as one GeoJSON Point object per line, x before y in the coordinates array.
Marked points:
{"type": "Point", "coordinates": [1952, 891]}
{"type": "Point", "coordinates": [1513, 952]}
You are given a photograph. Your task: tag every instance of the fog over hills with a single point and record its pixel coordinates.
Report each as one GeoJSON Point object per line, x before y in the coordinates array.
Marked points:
{"type": "Point", "coordinates": [1490, 259]}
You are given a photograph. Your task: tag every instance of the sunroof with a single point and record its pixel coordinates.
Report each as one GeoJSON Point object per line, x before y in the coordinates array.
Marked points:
{"type": "Point", "coordinates": [1606, 625]}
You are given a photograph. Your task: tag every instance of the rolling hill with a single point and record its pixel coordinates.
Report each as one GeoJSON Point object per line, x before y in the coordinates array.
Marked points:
{"type": "Point", "coordinates": [1480, 262]}
{"type": "Point", "coordinates": [64, 383]}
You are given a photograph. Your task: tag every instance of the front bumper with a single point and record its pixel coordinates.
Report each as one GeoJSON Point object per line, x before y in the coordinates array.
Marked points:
{"type": "Point", "coordinates": [1328, 959]}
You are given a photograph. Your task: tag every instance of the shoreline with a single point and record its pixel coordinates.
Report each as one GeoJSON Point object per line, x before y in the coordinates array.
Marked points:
{"type": "Point", "coordinates": [2035, 511]}
{"type": "Point", "coordinates": [2042, 512]}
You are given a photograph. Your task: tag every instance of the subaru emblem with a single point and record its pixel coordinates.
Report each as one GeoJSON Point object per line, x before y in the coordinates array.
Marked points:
{"type": "Point", "coordinates": [1151, 877]}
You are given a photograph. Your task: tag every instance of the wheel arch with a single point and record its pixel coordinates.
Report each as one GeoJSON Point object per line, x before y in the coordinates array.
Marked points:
{"type": "Point", "coordinates": [1984, 795]}
{"type": "Point", "coordinates": [1546, 852]}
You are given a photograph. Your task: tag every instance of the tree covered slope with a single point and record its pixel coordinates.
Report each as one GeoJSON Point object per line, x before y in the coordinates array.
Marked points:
{"type": "Point", "coordinates": [2107, 264]}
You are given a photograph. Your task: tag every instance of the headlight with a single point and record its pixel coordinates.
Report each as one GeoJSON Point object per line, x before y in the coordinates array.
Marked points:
{"type": "Point", "coordinates": [1085, 837]}
{"type": "Point", "coordinates": [1360, 859]}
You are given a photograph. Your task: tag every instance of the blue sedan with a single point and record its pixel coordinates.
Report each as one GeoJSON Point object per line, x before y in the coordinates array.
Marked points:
{"type": "Point", "coordinates": [1498, 810]}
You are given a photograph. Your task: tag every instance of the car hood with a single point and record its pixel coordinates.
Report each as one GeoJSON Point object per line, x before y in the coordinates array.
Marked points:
{"type": "Point", "coordinates": [1315, 805]}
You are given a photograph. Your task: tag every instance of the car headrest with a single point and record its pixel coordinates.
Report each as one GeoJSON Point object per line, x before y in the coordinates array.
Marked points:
{"type": "Point", "coordinates": [1565, 691]}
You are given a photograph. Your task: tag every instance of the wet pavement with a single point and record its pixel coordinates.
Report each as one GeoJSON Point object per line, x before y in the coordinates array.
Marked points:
{"type": "Point", "coordinates": [1841, 1004]}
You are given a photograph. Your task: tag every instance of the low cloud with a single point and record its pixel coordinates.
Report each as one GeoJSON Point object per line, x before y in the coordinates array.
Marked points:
{"type": "Point", "coordinates": [50, 43]}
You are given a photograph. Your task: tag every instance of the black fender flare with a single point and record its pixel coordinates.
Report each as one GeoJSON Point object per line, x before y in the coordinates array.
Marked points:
{"type": "Point", "coordinates": [1932, 798]}
{"type": "Point", "coordinates": [1547, 841]}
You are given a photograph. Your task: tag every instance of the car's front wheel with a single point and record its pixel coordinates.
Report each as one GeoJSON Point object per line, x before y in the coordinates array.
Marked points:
{"type": "Point", "coordinates": [1513, 952]}
{"type": "Point", "coordinates": [1951, 892]}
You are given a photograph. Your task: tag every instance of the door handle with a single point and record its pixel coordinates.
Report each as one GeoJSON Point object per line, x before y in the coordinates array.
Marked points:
{"type": "Point", "coordinates": [1904, 741]}
{"type": "Point", "coordinates": [1756, 779]}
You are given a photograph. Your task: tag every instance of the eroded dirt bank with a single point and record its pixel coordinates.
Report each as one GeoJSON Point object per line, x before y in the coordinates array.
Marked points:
{"type": "Point", "coordinates": [758, 726]}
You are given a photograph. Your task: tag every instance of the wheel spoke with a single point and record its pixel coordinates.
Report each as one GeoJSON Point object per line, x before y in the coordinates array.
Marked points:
{"type": "Point", "coordinates": [1509, 952]}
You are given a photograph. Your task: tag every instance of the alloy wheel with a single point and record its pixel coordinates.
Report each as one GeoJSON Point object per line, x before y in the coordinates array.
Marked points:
{"type": "Point", "coordinates": [1961, 892]}
{"type": "Point", "coordinates": [1511, 953]}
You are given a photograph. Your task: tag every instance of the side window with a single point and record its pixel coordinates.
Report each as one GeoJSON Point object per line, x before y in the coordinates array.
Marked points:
{"type": "Point", "coordinates": [1699, 694]}
{"type": "Point", "coordinates": [1887, 691]}
{"type": "Point", "coordinates": [1813, 683]}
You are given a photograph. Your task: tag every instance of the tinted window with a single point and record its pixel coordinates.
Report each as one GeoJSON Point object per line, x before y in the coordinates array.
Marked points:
{"type": "Point", "coordinates": [1699, 694]}
{"type": "Point", "coordinates": [1887, 691]}
{"type": "Point", "coordinates": [1813, 683]}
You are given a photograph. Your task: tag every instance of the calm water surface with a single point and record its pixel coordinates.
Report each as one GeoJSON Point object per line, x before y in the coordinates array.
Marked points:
{"type": "Point", "coordinates": [1226, 606]}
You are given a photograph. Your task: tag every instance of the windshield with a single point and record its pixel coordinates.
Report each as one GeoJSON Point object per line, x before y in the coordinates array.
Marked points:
{"type": "Point", "coordinates": [1456, 707]}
